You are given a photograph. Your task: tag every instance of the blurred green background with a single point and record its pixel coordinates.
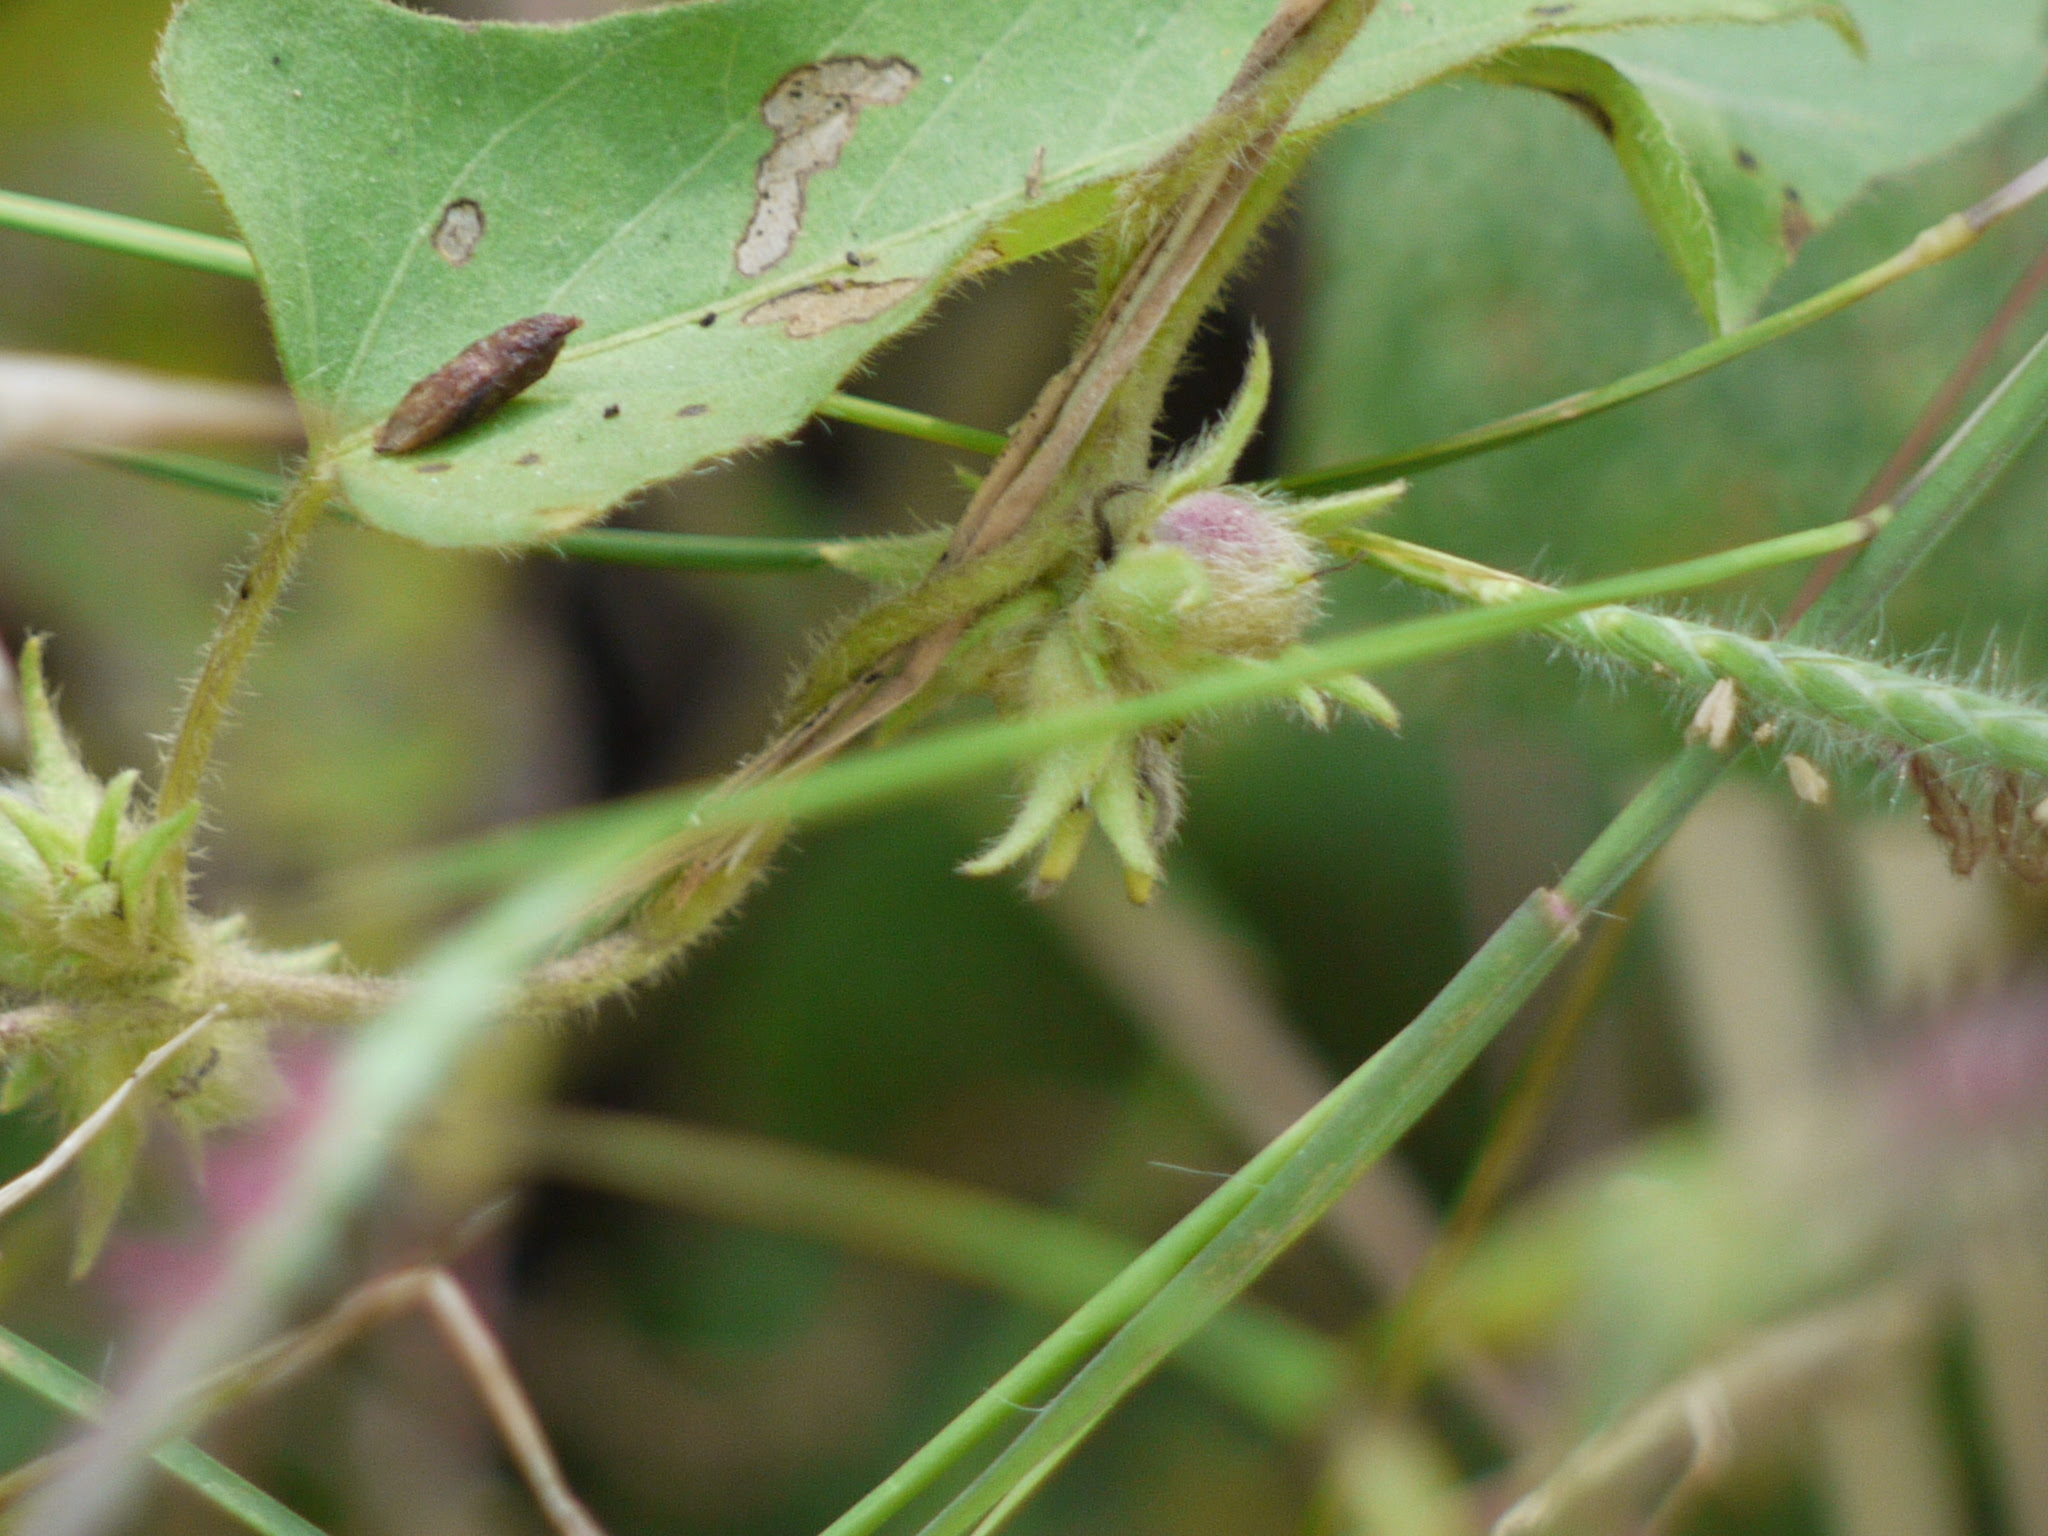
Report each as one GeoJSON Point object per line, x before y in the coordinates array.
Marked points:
{"type": "Point", "coordinates": [1469, 252]}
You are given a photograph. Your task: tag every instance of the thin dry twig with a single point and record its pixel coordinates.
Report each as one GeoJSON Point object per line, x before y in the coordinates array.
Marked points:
{"type": "Point", "coordinates": [476, 1349]}
{"type": "Point", "coordinates": [1662, 1454]}
{"type": "Point", "coordinates": [20, 1190]}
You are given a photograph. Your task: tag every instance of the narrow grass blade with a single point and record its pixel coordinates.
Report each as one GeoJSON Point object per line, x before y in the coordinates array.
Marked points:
{"type": "Point", "coordinates": [57, 1384]}
{"type": "Point", "coordinates": [1276, 1199]}
{"type": "Point", "coordinates": [118, 232]}
{"type": "Point", "coordinates": [1936, 498]}
{"type": "Point", "coordinates": [1932, 246]}
{"type": "Point", "coordinates": [612, 546]}
{"type": "Point", "coordinates": [904, 423]}
{"type": "Point", "coordinates": [693, 551]}
{"type": "Point", "coordinates": [1280, 1373]}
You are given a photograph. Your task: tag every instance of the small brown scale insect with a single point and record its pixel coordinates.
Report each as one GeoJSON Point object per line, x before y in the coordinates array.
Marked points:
{"type": "Point", "coordinates": [480, 380]}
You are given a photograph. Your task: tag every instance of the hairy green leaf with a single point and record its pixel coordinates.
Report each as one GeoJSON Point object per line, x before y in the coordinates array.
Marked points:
{"type": "Point", "coordinates": [408, 185]}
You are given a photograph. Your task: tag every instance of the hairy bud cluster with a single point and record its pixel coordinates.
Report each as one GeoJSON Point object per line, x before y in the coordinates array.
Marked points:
{"type": "Point", "coordinates": [1197, 575]}
{"type": "Point", "coordinates": [101, 961]}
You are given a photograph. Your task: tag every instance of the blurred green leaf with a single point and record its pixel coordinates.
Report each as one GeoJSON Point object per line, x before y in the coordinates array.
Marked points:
{"type": "Point", "coordinates": [408, 185]}
{"type": "Point", "coordinates": [1741, 144]}
{"type": "Point", "coordinates": [1276, 1370]}
{"type": "Point", "coordinates": [1526, 274]}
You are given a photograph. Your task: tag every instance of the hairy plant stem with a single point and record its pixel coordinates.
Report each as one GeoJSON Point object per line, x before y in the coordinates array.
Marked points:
{"type": "Point", "coordinates": [1844, 697]}
{"type": "Point", "coordinates": [241, 625]}
{"type": "Point", "coordinates": [1092, 422]}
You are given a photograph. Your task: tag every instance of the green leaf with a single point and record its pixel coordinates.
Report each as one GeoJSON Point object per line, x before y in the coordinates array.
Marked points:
{"type": "Point", "coordinates": [1741, 144]}
{"type": "Point", "coordinates": [408, 184]}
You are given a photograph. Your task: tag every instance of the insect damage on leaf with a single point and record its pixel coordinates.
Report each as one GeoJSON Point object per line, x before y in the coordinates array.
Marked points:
{"type": "Point", "coordinates": [825, 307]}
{"type": "Point", "coordinates": [812, 111]}
{"type": "Point", "coordinates": [482, 377]}
{"type": "Point", "coordinates": [1795, 224]}
{"type": "Point", "coordinates": [461, 227]}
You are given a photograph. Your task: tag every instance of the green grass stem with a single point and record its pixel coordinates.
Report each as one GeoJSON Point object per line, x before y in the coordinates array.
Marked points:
{"type": "Point", "coordinates": [129, 237]}
{"type": "Point", "coordinates": [611, 546]}
{"type": "Point", "coordinates": [1932, 246]}
{"type": "Point", "coordinates": [211, 253]}
{"type": "Point", "coordinates": [1283, 1375]}
{"type": "Point", "coordinates": [80, 1396]}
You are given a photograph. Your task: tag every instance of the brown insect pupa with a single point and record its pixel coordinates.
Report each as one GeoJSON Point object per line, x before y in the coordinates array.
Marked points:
{"type": "Point", "coordinates": [482, 377]}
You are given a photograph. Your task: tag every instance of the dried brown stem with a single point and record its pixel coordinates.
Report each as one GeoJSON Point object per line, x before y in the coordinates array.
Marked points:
{"type": "Point", "coordinates": [18, 1191]}
{"type": "Point", "coordinates": [476, 1349]}
{"type": "Point", "coordinates": [1695, 1429]}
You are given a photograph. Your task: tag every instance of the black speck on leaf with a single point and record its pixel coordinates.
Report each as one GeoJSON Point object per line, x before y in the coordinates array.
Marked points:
{"type": "Point", "coordinates": [710, 319]}
{"type": "Point", "coordinates": [1745, 159]}
{"type": "Point", "coordinates": [475, 383]}
{"type": "Point", "coordinates": [610, 412]}
{"type": "Point", "coordinates": [527, 460]}
{"type": "Point", "coordinates": [693, 410]}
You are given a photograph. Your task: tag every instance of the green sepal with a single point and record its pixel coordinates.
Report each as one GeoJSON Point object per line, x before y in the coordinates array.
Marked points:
{"type": "Point", "coordinates": [1363, 697]}
{"type": "Point", "coordinates": [1207, 462]}
{"type": "Point", "coordinates": [52, 763]}
{"type": "Point", "coordinates": [1325, 516]}
{"type": "Point", "coordinates": [105, 1170]}
{"type": "Point", "coordinates": [1129, 820]}
{"type": "Point", "coordinates": [1062, 782]}
{"type": "Point", "coordinates": [1310, 700]}
{"type": "Point", "coordinates": [134, 865]}
{"type": "Point", "coordinates": [893, 563]}
{"type": "Point", "coordinates": [52, 844]}
{"type": "Point", "coordinates": [106, 822]}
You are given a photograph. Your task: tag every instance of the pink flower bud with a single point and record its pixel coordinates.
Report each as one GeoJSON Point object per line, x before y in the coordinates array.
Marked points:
{"type": "Point", "coordinates": [1262, 588]}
